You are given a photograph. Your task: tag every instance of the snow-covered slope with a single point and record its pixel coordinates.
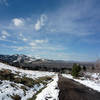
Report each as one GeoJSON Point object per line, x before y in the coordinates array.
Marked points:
{"type": "Point", "coordinates": [28, 73]}
{"type": "Point", "coordinates": [11, 87]}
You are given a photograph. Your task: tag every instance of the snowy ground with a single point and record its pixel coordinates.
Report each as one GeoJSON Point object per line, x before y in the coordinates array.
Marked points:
{"type": "Point", "coordinates": [50, 89]}
{"type": "Point", "coordinates": [9, 88]}
{"type": "Point", "coordinates": [51, 92]}
{"type": "Point", "coordinates": [92, 81]}
{"type": "Point", "coordinates": [28, 73]}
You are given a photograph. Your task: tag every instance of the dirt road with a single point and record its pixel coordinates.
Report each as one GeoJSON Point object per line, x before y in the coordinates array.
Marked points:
{"type": "Point", "coordinates": [71, 90]}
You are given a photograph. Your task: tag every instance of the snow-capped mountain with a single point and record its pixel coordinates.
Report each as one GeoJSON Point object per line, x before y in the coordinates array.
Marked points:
{"type": "Point", "coordinates": [34, 63]}
{"type": "Point", "coordinates": [17, 58]}
{"type": "Point", "coordinates": [20, 60]}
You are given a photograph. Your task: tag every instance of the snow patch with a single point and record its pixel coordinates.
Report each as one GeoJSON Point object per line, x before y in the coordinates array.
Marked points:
{"type": "Point", "coordinates": [51, 92]}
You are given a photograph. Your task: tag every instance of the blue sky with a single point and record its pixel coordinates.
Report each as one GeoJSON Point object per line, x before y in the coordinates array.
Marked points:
{"type": "Point", "coordinates": [54, 29]}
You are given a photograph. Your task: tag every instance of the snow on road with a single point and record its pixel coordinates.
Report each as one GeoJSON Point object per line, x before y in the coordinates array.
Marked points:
{"type": "Point", "coordinates": [50, 92]}
{"type": "Point", "coordinates": [86, 81]}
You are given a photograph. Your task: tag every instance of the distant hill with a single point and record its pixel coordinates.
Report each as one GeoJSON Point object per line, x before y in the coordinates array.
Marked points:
{"type": "Point", "coordinates": [25, 61]}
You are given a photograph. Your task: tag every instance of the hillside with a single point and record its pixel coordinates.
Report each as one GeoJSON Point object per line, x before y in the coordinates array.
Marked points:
{"type": "Point", "coordinates": [19, 84]}
{"type": "Point", "coordinates": [33, 63]}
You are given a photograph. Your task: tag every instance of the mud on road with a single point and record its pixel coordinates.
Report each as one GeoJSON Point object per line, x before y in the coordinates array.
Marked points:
{"type": "Point", "coordinates": [71, 90]}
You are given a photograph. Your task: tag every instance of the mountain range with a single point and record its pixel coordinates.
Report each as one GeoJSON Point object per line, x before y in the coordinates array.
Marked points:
{"type": "Point", "coordinates": [27, 62]}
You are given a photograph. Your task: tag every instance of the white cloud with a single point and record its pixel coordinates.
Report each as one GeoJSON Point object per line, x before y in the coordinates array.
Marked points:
{"type": "Point", "coordinates": [36, 42]}
{"type": "Point", "coordinates": [32, 44]}
{"type": "Point", "coordinates": [22, 37]}
{"type": "Point", "coordinates": [40, 22]}
{"type": "Point", "coordinates": [38, 25]}
{"type": "Point", "coordinates": [4, 35]}
{"type": "Point", "coordinates": [20, 48]}
{"type": "Point", "coordinates": [41, 41]}
{"type": "Point", "coordinates": [18, 22]}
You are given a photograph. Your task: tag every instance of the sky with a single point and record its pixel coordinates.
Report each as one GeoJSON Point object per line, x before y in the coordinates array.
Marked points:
{"type": "Point", "coordinates": [52, 29]}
